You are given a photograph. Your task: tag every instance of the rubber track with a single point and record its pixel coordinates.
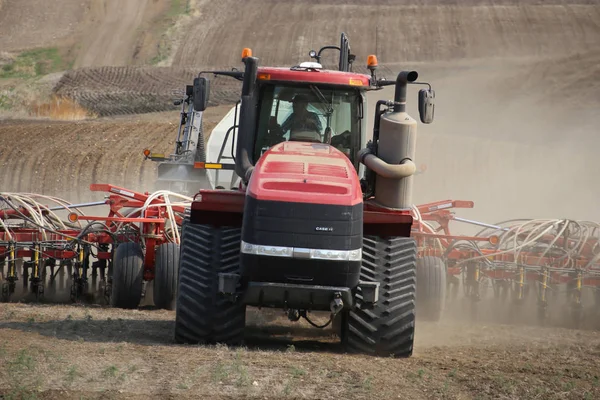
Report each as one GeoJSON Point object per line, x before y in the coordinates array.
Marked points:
{"type": "Point", "coordinates": [203, 316]}
{"type": "Point", "coordinates": [431, 290]}
{"type": "Point", "coordinates": [128, 276]}
{"type": "Point", "coordinates": [165, 275]}
{"type": "Point", "coordinates": [387, 328]}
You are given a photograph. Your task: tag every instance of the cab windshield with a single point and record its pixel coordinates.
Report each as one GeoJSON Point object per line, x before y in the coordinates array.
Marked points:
{"type": "Point", "coordinates": [311, 114]}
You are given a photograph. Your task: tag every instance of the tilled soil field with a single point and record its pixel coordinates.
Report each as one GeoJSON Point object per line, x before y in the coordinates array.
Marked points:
{"type": "Point", "coordinates": [72, 352]}
{"type": "Point", "coordinates": [64, 158]}
{"type": "Point", "coordinates": [109, 91]}
{"type": "Point", "coordinates": [397, 31]}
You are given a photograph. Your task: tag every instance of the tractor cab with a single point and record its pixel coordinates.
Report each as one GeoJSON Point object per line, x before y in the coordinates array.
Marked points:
{"type": "Point", "coordinates": [307, 104]}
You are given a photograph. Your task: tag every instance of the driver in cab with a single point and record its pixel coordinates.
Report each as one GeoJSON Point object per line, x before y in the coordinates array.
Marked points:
{"type": "Point", "coordinates": [302, 124]}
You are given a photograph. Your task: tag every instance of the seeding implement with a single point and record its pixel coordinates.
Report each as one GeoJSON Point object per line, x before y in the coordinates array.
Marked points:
{"type": "Point", "coordinates": [46, 241]}
{"type": "Point", "coordinates": [512, 261]}
{"type": "Point", "coordinates": [546, 263]}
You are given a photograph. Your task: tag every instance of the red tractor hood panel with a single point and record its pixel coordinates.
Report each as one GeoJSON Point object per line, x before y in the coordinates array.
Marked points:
{"type": "Point", "coordinates": [305, 173]}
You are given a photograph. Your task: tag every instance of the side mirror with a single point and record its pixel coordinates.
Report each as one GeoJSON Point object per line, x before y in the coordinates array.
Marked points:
{"type": "Point", "coordinates": [426, 105]}
{"type": "Point", "coordinates": [189, 90]}
{"type": "Point", "coordinates": [201, 92]}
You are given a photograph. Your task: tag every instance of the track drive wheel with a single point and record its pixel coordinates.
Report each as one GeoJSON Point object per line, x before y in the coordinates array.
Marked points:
{"type": "Point", "coordinates": [128, 276]}
{"type": "Point", "coordinates": [387, 327]}
{"type": "Point", "coordinates": [431, 288]}
{"type": "Point", "coordinates": [165, 275]}
{"type": "Point", "coordinates": [203, 316]}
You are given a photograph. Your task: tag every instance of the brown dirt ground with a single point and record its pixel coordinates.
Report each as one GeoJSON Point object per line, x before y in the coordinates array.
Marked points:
{"type": "Point", "coordinates": [29, 24]}
{"type": "Point", "coordinates": [397, 31]}
{"type": "Point", "coordinates": [121, 29]}
{"type": "Point", "coordinates": [73, 352]}
{"type": "Point", "coordinates": [93, 32]}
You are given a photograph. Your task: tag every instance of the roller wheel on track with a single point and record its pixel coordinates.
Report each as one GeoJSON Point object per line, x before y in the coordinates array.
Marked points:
{"type": "Point", "coordinates": [128, 276]}
{"type": "Point", "coordinates": [387, 327]}
{"type": "Point", "coordinates": [165, 275]}
{"type": "Point", "coordinates": [431, 288]}
{"type": "Point", "coordinates": [202, 315]}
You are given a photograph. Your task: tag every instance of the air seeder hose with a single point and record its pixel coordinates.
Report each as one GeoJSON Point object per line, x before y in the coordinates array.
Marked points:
{"type": "Point", "coordinates": [168, 204]}
{"type": "Point", "coordinates": [540, 237]}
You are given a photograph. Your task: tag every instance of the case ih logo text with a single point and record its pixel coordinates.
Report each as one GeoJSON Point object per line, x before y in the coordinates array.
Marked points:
{"type": "Point", "coordinates": [324, 229]}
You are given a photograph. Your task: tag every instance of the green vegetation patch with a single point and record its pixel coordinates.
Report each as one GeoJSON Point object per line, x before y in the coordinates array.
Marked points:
{"type": "Point", "coordinates": [179, 7]}
{"type": "Point", "coordinates": [34, 63]}
{"type": "Point", "coordinates": [6, 100]}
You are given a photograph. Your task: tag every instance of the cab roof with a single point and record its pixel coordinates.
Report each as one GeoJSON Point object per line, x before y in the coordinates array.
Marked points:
{"type": "Point", "coordinates": [314, 75]}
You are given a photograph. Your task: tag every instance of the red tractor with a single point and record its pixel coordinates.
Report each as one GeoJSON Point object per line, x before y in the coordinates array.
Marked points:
{"type": "Point", "coordinates": [321, 220]}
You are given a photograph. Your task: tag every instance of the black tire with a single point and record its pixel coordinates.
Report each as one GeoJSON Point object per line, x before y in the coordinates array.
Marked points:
{"type": "Point", "coordinates": [166, 266]}
{"type": "Point", "coordinates": [202, 315]}
{"type": "Point", "coordinates": [387, 327]}
{"type": "Point", "coordinates": [128, 276]}
{"type": "Point", "coordinates": [431, 288]}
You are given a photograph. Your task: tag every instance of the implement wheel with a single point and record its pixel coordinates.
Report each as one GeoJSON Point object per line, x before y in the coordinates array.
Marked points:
{"type": "Point", "coordinates": [203, 316]}
{"type": "Point", "coordinates": [387, 327]}
{"type": "Point", "coordinates": [431, 288]}
{"type": "Point", "coordinates": [165, 275]}
{"type": "Point", "coordinates": [128, 276]}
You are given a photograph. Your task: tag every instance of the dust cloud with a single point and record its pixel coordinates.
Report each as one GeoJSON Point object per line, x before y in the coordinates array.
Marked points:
{"type": "Point", "coordinates": [517, 153]}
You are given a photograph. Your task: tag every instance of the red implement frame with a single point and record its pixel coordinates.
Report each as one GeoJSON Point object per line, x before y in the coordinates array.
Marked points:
{"type": "Point", "coordinates": [150, 232]}
{"type": "Point", "coordinates": [525, 266]}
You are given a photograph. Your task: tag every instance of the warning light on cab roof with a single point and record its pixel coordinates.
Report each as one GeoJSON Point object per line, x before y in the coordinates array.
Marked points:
{"type": "Point", "coordinates": [372, 61]}
{"type": "Point", "coordinates": [247, 52]}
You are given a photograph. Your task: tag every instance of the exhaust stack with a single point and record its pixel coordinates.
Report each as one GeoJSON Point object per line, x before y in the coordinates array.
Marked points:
{"type": "Point", "coordinates": [391, 157]}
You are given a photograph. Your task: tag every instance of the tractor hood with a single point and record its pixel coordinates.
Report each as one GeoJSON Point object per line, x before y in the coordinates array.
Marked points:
{"type": "Point", "coordinates": [303, 172]}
